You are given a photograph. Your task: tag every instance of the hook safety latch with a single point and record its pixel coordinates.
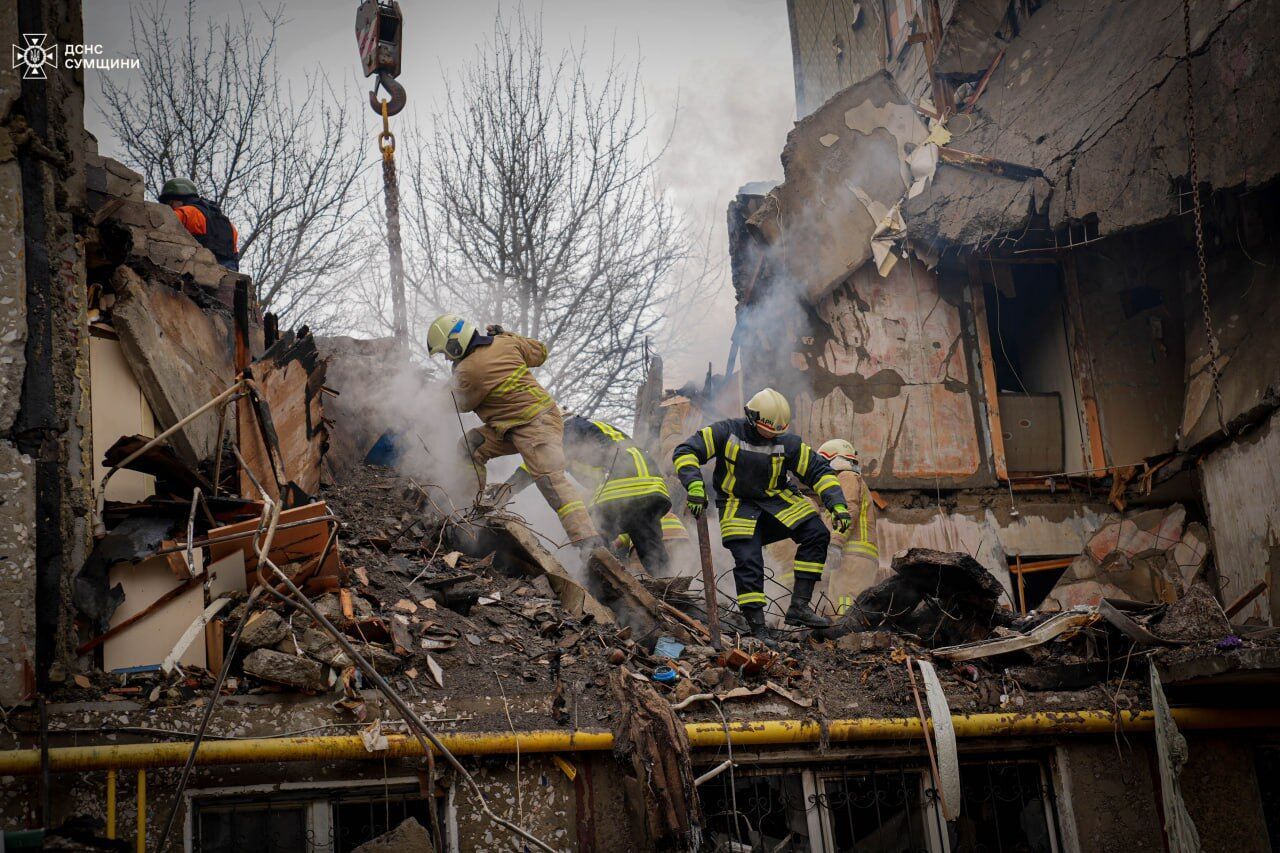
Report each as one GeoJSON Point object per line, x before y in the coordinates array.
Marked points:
{"type": "Point", "coordinates": [396, 96]}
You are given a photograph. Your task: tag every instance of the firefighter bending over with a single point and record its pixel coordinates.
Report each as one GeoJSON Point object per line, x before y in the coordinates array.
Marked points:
{"type": "Point", "coordinates": [204, 220]}
{"type": "Point", "coordinates": [754, 456]}
{"type": "Point", "coordinates": [491, 377]}
{"type": "Point", "coordinates": [629, 496]}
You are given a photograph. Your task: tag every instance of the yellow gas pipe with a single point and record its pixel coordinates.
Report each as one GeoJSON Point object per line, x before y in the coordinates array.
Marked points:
{"type": "Point", "coordinates": [701, 735]}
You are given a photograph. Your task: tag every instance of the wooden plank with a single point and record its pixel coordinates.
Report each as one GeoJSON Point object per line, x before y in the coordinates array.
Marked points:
{"type": "Point", "coordinates": [153, 616]}
{"type": "Point", "coordinates": [1083, 364]}
{"type": "Point", "coordinates": [991, 398]}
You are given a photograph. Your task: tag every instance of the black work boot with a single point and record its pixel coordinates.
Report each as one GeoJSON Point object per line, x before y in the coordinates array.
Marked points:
{"type": "Point", "coordinates": [800, 613]}
{"type": "Point", "coordinates": [757, 627]}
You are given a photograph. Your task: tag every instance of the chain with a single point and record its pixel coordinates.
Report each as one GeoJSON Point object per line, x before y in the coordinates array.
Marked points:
{"type": "Point", "coordinates": [391, 195]}
{"type": "Point", "coordinates": [1212, 338]}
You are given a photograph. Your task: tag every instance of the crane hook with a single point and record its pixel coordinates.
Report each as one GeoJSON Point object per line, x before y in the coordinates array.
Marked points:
{"type": "Point", "coordinates": [397, 99]}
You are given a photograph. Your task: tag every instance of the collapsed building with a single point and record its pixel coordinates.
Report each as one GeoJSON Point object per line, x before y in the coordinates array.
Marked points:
{"type": "Point", "coordinates": [223, 628]}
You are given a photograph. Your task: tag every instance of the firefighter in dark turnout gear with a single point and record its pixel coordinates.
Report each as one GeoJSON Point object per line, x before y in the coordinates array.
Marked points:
{"type": "Point", "coordinates": [204, 220]}
{"type": "Point", "coordinates": [754, 456]}
{"type": "Point", "coordinates": [628, 495]}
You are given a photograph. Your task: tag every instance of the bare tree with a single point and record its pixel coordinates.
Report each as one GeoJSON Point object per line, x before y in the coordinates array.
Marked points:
{"type": "Point", "coordinates": [533, 204]}
{"type": "Point", "coordinates": [209, 105]}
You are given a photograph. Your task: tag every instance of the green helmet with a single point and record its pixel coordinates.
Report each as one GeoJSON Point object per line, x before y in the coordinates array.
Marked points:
{"type": "Point", "coordinates": [176, 188]}
{"type": "Point", "coordinates": [451, 335]}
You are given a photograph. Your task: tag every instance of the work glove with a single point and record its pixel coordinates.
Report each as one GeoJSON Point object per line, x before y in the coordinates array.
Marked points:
{"type": "Point", "coordinates": [697, 498]}
{"type": "Point", "coordinates": [840, 518]}
{"type": "Point", "coordinates": [494, 329]}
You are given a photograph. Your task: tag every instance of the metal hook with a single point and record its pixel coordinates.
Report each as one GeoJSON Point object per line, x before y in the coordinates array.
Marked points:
{"type": "Point", "coordinates": [397, 99]}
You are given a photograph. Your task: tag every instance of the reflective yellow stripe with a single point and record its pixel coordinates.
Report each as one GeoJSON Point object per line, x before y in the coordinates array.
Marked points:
{"type": "Point", "coordinates": [845, 602]}
{"type": "Point", "coordinates": [708, 441]}
{"type": "Point", "coordinates": [686, 460]}
{"type": "Point", "coordinates": [671, 522]}
{"type": "Point", "coordinates": [751, 598]}
{"type": "Point", "coordinates": [609, 430]}
{"type": "Point", "coordinates": [623, 540]}
{"type": "Point", "coordinates": [775, 471]}
{"type": "Point", "coordinates": [799, 509]}
{"type": "Point", "coordinates": [509, 384]}
{"type": "Point", "coordinates": [826, 481]}
{"type": "Point", "coordinates": [854, 547]}
{"type": "Point", "coordinates": [802, 467]}
{"type": "Point", "coordinates": [571, 506]}
{"type": "Point", "coordinates": [642, 467]}
{"type": "Point", "coordinates": [807, 567]}
{"type": "Point", "coordinates": [630, 487]}
{"type": "Point", "coordinates": [862, 517]}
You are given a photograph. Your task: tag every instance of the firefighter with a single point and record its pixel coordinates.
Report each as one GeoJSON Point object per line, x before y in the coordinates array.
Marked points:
{"type": "Point", "coordinates": [754, 456]}
{"type": "Point", "coordinates": [852, 558]}
{"type": "Point", "coordinates": [204, 220]}
{"type": "Point", "coordinates": [629, 496]}
{"type": "Point", "coordinates": [491, 377]}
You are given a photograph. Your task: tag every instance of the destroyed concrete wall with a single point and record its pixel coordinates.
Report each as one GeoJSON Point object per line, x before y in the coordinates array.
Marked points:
{"type": "Point", "coordinates": [44, 405]}
{"type": "Point", "coordinates": [179, 352]}
{"type": "Point", "coordinates": [833, 45]}
{"type": "Point", "coordinates": [1108, 797]}
{"type": "Point", "coordinates": [1131, 298]}
{"type": "Point", "coordinates": [1095, 97]}
{"type": "Point", "coordinates": [846, 169]}
{"type": "Point", "coordinates": [888, 363]}
{"type": "Point", "coordinates": [1242, 491]}
{"type": "Point", "coordinates": [1244, 278]}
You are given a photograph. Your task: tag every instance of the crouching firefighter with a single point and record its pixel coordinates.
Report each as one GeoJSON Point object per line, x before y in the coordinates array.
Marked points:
{"type": "Point", "coordinates": [491, 377]}
{"type": "Point", "coordinates": [629, 496]}
{"type": "Point", "coordinates": [754, 457]}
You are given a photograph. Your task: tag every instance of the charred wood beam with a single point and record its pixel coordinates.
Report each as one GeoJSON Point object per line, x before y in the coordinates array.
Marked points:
{"type": "Point", "coordinates": [990, 165]}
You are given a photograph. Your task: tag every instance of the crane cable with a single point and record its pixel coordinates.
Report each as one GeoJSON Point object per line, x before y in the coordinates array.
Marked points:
{"type": "Point", "coordinates": [391, 196]}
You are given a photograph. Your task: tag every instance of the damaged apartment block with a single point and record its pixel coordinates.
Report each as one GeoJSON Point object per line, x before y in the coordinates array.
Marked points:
{"type": "Point", "coordinates": [233, 618]}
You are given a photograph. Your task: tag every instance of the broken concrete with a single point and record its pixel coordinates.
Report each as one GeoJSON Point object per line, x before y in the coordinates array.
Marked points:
{"type": "Point", "coordinates": [289, 670]}
{"type": "Point", "coordinates": [179, 353]}
{"type": "Point", "coordinates": [265, 628]}
{"type": "Point", "coordinates": [408, 837]}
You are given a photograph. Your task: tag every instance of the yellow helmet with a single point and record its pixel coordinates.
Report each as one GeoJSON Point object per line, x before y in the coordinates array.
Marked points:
{"type": "Point", "coordinates": [769, 412]}
{"type": "Point", "coordinates": [451, 335]}
{"type": "Point", "coordinates": [839, 448]}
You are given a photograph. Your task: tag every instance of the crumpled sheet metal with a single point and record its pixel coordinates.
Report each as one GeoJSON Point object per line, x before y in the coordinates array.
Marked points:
{"type": "Point", "coordinates": [1071, 620]}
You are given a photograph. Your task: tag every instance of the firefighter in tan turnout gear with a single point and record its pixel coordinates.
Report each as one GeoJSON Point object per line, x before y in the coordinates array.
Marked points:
{"type": "Point", "coordinates": [491, 377]}
{"type": "Point", "coordinates": [852, 557]}
{"type": "Point", "coordinates": [754, 456]}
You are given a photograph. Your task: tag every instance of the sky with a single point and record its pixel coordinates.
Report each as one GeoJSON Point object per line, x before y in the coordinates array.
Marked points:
{"type": "Point", "coordinates": [726, 65]}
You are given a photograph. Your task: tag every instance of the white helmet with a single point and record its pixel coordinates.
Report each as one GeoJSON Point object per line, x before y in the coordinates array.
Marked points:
{"type": "Point", "coordinates": [840, 452]}
{"type": "Point", "coordinates": [769, 412]}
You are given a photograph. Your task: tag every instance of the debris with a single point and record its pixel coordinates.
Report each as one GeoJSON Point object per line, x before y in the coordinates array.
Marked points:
{"type": "Point", "coordinates": [1051, 628]}
{"type": "Point", "coordinates": [652, 744]}
{"type": "Point", "coordinates": [944, 735]}
{"type": "Point", "coordinates": [406, 606]}
{"type": "Point", "coordinates": [865, 641]}
{"type": "Point", "coordinates": [566, 768]}
{"type": "Point", "coordinates": [1243, 601]}
{"type": "Point", "coordinates": [297, 672]}
{"type": "Point", "coordinates": [1231, 641]}
{"type": "Point", "coordinates": [264, 628]}
{"type": "Point", "coordinates": [409, 837]}
{"type": "Point", "coordinates": [195, 629]}
{"type": "Point", "coordinates": [1171, 747]}
{"type": "Point", "coordinates": [1111, 612]}
{"type": "Point", "coordinates": [667, 647]}
{"type": "Point", "coordinates": [373, 738]}
{"type": "Point", "coordinates": [437, 674]}
{"type": "Point", "coordinates": [301, 538]}
{"type": "Point", "coordinates": [665, 675]}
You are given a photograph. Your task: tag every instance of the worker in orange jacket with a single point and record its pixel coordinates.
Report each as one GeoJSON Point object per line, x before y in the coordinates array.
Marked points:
{"type": "Point", "coordinates": [204, 220]}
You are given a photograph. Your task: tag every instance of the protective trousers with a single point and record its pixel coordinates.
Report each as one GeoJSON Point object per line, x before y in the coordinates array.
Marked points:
{"type": "Point", "coordinates": [540, 442]}
{"type": "Point", "coordinates": [811, 538]}
{"type": "Point", "coordinates": [641, 519]}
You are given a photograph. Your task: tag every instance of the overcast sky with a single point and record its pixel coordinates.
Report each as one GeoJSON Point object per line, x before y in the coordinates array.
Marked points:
{"type": "Point", "coordinates": [726, 62]}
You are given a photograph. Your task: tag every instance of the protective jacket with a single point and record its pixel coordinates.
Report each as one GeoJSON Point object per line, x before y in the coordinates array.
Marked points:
{"type": "Point", "coordinates": [605, 459]}
{"type": "Point", "coordinates": [493, 380]}
{"type": "Point", "coordinates": [751, 475]}
{"type": "Point", "coordinates": [212, 229]}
